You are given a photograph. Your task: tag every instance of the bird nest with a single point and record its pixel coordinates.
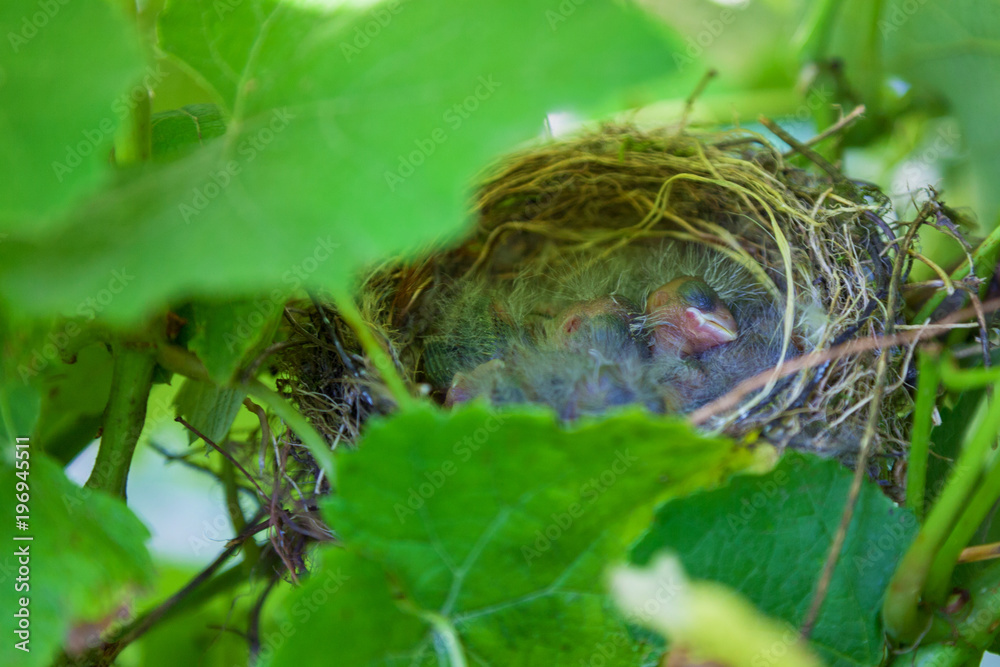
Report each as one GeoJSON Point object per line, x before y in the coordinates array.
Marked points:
{"type": "Point", "coordinates": [803, 257]}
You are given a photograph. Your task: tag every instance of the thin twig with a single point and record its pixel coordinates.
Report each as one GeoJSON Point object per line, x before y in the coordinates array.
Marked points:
{"type": "Point", "coordinates": [224, 453]}
{"type": "Point", "coordinates": [802, 149]}
{"type": "Point", "coordinates": [253, 622]}
{"type": "Point", "coordinates": [144, 623]}
{"type": "Point", "coordinates": [980, 552]}
{"type": "Point", "coordinates": [830, 131]}
{"type": "Point", "coordinates": [695, 94]}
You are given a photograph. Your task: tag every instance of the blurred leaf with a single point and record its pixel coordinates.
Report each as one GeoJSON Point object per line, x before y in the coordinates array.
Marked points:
{"type": "Point", "coordinates": [198, 634]}
{"type": "Point", "coordinates": [19, 404]}
{"type": "Point", "coordinates": [227, 333]}
{"type": "Point", "coordinates": [350, 602]}
{"type": "Point", "coordinates": [706, 619]}
{"type": "Point", "coordinates": [63, 81]}
{"type": "Point", "coordinates": [849, 52]}
{"type": "Point", "coordinates": [495, 528]}
{"type": "Point", "coordinates": [86, 558]}
{"type": "Point", "coordinates": [952, 48]}
{"type": "Point", "coordinates": [19, 401]}
{"type": "Point", "coordinates": [179, 131]}
{"type": "Point", "coordinates": [73, 401]}
{"type": "Point", "coordinates": [767, 537]}
{"type": "Point", "coordinates": [209, 408]}
{"type": "Point", "coordinates": [342, 148]}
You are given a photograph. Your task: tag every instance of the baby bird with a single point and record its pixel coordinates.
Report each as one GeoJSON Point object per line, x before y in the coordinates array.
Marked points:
{"type": "Point", "coordinates": [478, 329]}
{"type": "Point", "coordinates": [687, 317]}
{"type": "Point", "coordinates": [598, 333]}
{"type": "Point", "coordinates": [599, 326]}
{"type": "Point", "coordinates": [589, 361]}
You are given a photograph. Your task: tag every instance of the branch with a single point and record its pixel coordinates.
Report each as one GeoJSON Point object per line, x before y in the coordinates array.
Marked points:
{"type": "Point", "coordinates": [124, 417]}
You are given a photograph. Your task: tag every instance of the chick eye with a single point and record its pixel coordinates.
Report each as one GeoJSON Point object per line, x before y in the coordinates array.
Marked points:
{"type": "Point", "coordinates": [698, 295]}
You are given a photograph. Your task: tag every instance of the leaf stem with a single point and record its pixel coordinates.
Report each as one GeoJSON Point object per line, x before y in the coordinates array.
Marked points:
{"type": "Point", "coordinates": [974, 511]}
{"type": "Point", "coordinates": [124, 417]}
{"type": "Point", "coordinates": [251, 552]}
{"type": "Point", "coordinates": [901, 612]}
{"type": "Point", "coordinates": [960, 637]}
{"type": "Point", "coordinates": [964, 379]}
{"type": "Point", "coordinates": [443, 628]}
{"type": "Point", "coordinates": [134, 139]}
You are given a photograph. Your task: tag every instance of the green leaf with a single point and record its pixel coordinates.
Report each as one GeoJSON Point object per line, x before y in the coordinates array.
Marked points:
{"type": "Point", "coordinates": [86, 558]}
{"type": "Point", "coordinates": [179, 131]}
{"type": "Point", "coordinates": [333, 158]}
{"type": "Point", "coordinates": [64, 79]}
{"type": "Point", "coordinates": [496, 529]}
{"type": "Point", "coordinates": [209, 408]}
{"type": "Point", "coordinates": [73, 401]}
{"type": "Point", "coordinates": [19, 400]}
{"type": "Point", "coordinates": [217, 41]}
{"type": "Point", "coordinates": [348, 600]}
{"type": "Point", "coordinates": [768, 537]}
{"type": "Point", "coordinates": [951, 48]}
{"type": "Point", "coordinates": [226, 333]}
{"type": "Point", "coordinates": [705, 618]}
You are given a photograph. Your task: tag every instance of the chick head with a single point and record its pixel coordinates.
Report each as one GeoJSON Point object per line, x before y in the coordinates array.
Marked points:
{"type": "Point", "coordinates": [686, 316]}
{"type": "Point", "coordinates": [603, 325]}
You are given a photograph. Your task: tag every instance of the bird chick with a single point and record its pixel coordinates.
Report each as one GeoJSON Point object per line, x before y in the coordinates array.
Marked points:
{"type": "Point", "coordinates": [572, 383]}
{"type": "Point", "coordinates": [588, 362]}
{"type": "Point", "coordinates": [480, 381]}
{"type": "Point", "coordinates": [687, 317]}
{"type": "Point", "coordinates": [599, 326]}
{"type": "Point", "coordinates": [472, 327]}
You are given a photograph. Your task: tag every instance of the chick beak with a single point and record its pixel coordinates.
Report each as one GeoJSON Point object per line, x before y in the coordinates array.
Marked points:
{"type": "Point", "coordinates": [711, 328]}
{"type": "Point", "coordinates": [688, 317]}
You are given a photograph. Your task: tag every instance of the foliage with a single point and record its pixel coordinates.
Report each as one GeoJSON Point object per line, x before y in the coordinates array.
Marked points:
{"type": "Point", "coordinates": [477, 530]}
{"type": "Point", "coordinates": [735, 536]}
{"type": "Point", "coordinates": [174, 173]}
